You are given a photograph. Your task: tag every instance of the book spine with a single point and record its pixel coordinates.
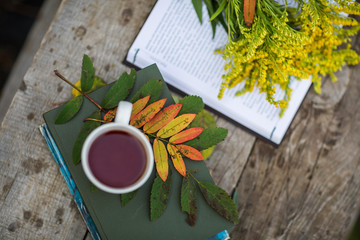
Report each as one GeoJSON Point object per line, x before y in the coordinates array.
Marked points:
{"type": "Point", "coordinates": [69, 181]}
{"type": "Point", "coordinates": [224, 235]}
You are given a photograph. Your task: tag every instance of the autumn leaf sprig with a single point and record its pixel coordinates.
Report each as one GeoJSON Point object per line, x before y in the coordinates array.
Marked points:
{"type": "Point", "coordinates": [168, 129]}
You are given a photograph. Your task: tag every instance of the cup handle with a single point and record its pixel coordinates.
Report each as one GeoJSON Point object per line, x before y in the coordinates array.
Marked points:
{"type": "Point", "coordinates": [123, 112]}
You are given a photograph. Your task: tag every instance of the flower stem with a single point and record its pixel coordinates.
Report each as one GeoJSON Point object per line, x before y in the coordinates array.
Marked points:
{"type": "Point", "coordinates": [84, 94]}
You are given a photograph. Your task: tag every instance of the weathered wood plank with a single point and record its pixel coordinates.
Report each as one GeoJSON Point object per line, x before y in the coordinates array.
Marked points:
{"type": "Point", "coordinates": [230, 156]}
{"type": "Point", "coordinates": [30, 47]}
{"type": "Point", "coordinates": [309, 188]}
{"type": "Point", "coordinates": [305, 189]}
{"type": "Point", "coordinates": [35, 202]}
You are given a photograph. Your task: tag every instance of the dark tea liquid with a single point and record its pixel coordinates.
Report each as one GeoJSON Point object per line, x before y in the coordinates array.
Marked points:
{"type": "Point", "coordinates": [117, 159]}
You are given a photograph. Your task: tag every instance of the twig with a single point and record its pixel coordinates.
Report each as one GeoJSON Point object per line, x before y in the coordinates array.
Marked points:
{"type": "Point", "coordinates": [84, 94]}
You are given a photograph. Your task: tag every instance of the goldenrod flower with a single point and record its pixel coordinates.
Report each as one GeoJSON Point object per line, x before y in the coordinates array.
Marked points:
{"type": "Point", "coordinates": [281, 44]}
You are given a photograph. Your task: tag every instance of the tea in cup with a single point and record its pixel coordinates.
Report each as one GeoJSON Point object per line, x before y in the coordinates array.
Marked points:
{"type": "Point", "coordinates": [117, 157]}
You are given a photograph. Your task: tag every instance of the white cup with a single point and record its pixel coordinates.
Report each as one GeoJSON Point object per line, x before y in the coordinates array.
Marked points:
{"type": "Point", "coordinates": [121, 124]}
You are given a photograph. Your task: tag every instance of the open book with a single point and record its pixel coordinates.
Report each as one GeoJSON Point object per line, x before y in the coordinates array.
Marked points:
{"type": "Point", "coordinates": [173, 38]}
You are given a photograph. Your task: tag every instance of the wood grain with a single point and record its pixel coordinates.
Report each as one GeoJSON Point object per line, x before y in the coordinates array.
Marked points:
{"type": "Point", "coordinates": [308, 188]}
{"type": "Point", "coordinates": [35, 202]}
{"type": "Point", "coordinates": [30, 47]}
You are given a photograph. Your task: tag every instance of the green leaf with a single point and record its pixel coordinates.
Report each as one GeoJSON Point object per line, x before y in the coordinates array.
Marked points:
{"type": "Point", "coordinates": [87, 74]}
{"type": "Point", "coordinates": [120, 90]}
{"type": "Point", "coordinates": [209, 137]}
{"type": "Point", "coordinates": [191, 104]}
{"type": "Point", "coordinates": [127, 197]}
{"type": "Point", "coordinates": [211, 5]}
{"type": "Point", "coordinates": [204, 119]}
{"type": "Point", "coordinates": [219, 10]}
{"type": "Point", "coordinates": [69, 110]}
{"type": "Point", "coordinates": [84, 132]}
{"type": "Point", "coordinates": [159, 196]}
{"type": "Point", "coordinates": [210, 9]}
{"type": "Point", "coordinates": [188, 199]}
{"type": "Point", "coordinates": [152, 88]}
{"type": "Point", "coordinates": [198, 8]}
{"type": "Point", "coordinates": [219, 200]}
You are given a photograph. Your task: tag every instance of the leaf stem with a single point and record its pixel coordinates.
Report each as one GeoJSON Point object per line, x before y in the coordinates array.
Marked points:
{"type": "Point", "coordinates": [189, 172]}
{"type": "Point", "coordinates": [154, 136]}
{"type": "Point", "coordinates": [96, 120]}
{"type": "Point", "coordinates": [84, 94]}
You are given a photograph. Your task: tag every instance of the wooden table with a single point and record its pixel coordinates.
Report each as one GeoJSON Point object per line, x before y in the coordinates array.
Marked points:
{"type": "Point", "coordinates": [308, 188]}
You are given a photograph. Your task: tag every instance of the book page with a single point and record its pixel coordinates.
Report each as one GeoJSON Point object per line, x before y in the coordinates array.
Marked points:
{"type": "Point", "coordinates": [173, 38]}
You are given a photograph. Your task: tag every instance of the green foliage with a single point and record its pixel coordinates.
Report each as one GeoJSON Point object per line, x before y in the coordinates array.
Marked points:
{"type": "Point", "coordinates": [205, 120]}
{"type": "Point", "coordinates": [219, 200]}
{"type": "Point", "coordinates": [188, 199]}
{"type": "Point", "coordinates": [168, 126]}
{"type": "Point", "coordinates": [198, 8]}
{"type": "Point", "coordinates": [191, 104]}
{"type": "Point", "coordinates": [87, 74]}
{"type": "Point", "coordinates": [152, 88]}
{"type": "Point", "coordinates": [120, 90]}
{"type": "Point", "coordinates": [269, 42]}
{"type": "Point", "coordinates": [159, 196]}
{"type": "Point", "coordinates": [218, 10]}
{"type": "Point", "coordinates": [212, 6]}
{"type": "Point", "coordinates": [69, 110]}
{"type": "Point", "coordinates": [84, 132]}
{"type": "Point", "coordinates": [208, 138]}
{"type": "Point", "coordinates": [127, 197]}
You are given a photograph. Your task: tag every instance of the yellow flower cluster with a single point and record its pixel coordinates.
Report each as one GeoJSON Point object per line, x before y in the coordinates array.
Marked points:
{"type": "Point", "coordinates": [280, 44]}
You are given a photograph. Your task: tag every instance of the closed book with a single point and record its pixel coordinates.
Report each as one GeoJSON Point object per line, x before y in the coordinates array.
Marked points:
{"type": "Point", "coordinates": [103, 213]}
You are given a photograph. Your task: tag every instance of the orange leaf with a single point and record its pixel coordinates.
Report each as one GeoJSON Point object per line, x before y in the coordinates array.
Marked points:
{"type": "Point", "coordinates": [249, 12]}
{"type": "Point", "coordinates": [186, 135]}
{"type": "Point", "coordinates": [176, 125]}
{"type": "Point", "coordinates": [139, 105]}
{"type": "Point", "coordinates": [110, 115]}
{"type": "Point", "coordinates": [161, 159]}
{"type": "Point", "coordinates": [177, 159]}
{"type": "Point", "coordinates": [190, 152]}
{"type": "Point", "coordinates": [162, 118]}
{"type": "Point", "coordinates": [147, 114]}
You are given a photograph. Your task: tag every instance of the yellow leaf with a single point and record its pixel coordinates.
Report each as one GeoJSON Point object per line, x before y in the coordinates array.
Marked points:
{"type": "Point", "coordinates": [98, 83]}
{"type": "Point", "coordinates": [190, 152]}
{"type": "Point", "coordinates": [161, 159]}
{"type": "Point", "coordinates": [139, 105]}
{"type": "Point", "coordinates": [162, 118]}
{"type": "Point", "coordinates": [186, 135]}
{"type": "Point", "coordinates": [177, 159]}
{"type": "Point", "coordinates": [176, 125]}
{"type": "Point", "coordinates": [147, 114]}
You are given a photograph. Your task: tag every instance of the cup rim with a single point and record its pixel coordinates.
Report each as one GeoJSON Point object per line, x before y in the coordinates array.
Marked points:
{"type": "Point", "coordinates": [134, 132]}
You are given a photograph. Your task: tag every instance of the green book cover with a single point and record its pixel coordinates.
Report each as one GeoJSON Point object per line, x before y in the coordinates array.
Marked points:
{"type": "Point", "coordinates": [112, 221]}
